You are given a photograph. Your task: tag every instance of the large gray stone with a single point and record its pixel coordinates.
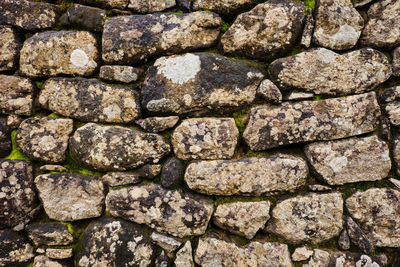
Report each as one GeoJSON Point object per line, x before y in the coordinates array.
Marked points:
{"type": "Point", "coordinates": [16, 95]}
{"type": "Point", "coordinates": [86, 17]}
{"type": "Point", "coordinates": [15, 249]}
{"type": "Point", "coordinates": [9, 48]}
{"type": "Point", "coordinates": [158, 124]}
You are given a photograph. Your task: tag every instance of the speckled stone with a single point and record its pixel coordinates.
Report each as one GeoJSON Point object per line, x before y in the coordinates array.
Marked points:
{"type": "Point", "coordinates": [252, 176]}
{"type": "Point", "coordinates": [390, 102]}
{"type": "Point", "coordinates": [162, 259]}
{"type": "Point", "coordinates": [358, 237]}
{"type": "Point", "coordinates": [338, 25]}
{"type": "Point", "coordinates": [396, 62]}
{"type": "Point", "coordinates": [86, 17]}
{"type": "Point", "coordinates": [344, 240]}
{"type": "Point", "coordinates": [150, 6]}
{"type": "Point", "coordinates": [121, 178]}
{"type": "Point", "coordinates": [59, 253]}
{"type": "Point", "coordinates": [134, 39]}
{"type": "Point", "coordinates": [205, 138]}
{"type": "Point", "coordinates": [5, 138]}
{"type": "Point", "coordinates": [267, 31]}
{"type": "Point", "coordinates": [50, 234]}
{"type": "Point", "coordinates": [70, 197]}
{"type": "Point", "coordinates": [297, 95]}
{"type": "Point", "coordinates": [184, 257]}
{"type": "Point", "coordinates": [169, 211]}
{"type": "Point", "coordinates": [53, 168]}
{"type": "Point", "coordinates": [341, 258]}
{"type": "Point", "coordinates": [158, 124]}
{"type": "Point", "coordinates": [17, 194]}
{"type": "Point", "coordinates": [290, 123]}
{"type": "Point", "coordinates": [199, 83]}
{"type": "Point", "coordinates": [269, 91]}
{"type": "Point", "coordinates": [116, 73]}
{"type": "Point", "coordinates": [308, 30]}
{"type": "Point", "coordinates": [16, 95]}
{"type": "Point", "coordinates": [312, 218]}
{"type": "Point", "coordinates": [377, 211]}
{"type": "Point", "coordinates": [149, 171]}
{"type": "Point", "coordinates": [360, 3]}
{"type": "Point", "coordinates": [114, 242]}
{"type": "Point", "coordinates": [15, 249]}
{"type": "Point", "coordinates": [166, 242]}
{"type": "Point", "coordinates": [9, 48]}
{"type": "Point", "coordinates": [350, 160]}
{"type": "Point", "coordinates": [53, 53]}
{"type": "Point", "coordinates": [115, 148]}
{"type": "Point", "coordinates": [224, 7]}
{"type": "Point", "coordinates": [42, 260]}
{"type": "Point", "coordinates": [302, 254]}
{"type": "Point", "coordinates": [90, 100]}
{"type": "Point", "coordinates": [396, 153]}
{"type": "Point", "coordinates": [171, 173]}
{"type": "Point", "coordinates": [212, 251]}
{"type": "Point", "coordinates": [322, 71]}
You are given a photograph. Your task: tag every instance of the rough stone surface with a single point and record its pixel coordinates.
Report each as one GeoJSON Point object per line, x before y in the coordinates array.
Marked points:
{"type": "Point", "coordinates": [396, 182]}
{"type": "Point", "coordinates": [319, 187]}
{"type": "Point", "coordinates": [133, 39]}
{"type": "Point", "coordinates": [50, 234]}
{"type": "Point", "coordinates": [242, 218]}
{"type": "Point", "coordinates": [53, 168]}
{"type": "Point", "coordinates": [86, 17]}
{"type": "Point", "coordinates": [42, 260]}
{"type": "Point", "coordinates": [358, 237]}
{"type": "Point", "coordinates": [223, 7]}
{"type": "Point", "coordinates": [338, 25]}
{"type": "Point", "coordinates": [248, 176]}
{"type": "Point", "coordinates": [44, 139]}
{"type": "Point", "coordinates": [344, 240]}
{"type": "Point", "coordinates": [360, 3]}
{"type": "Point", "coordinates": [168, 243]}
{"type": "Point", "coordinates": [59, 253]}
{"type": "Point", "coordinates": [149, 171]}
{"type": "Point", "coordinates": [330, 73]}
{"type": "Point", "coordinates": [312, 218]}
{"type": "Point", "coordinates": [199, 83]}
{"type": "Point", "coordinates": [396, 153]}
{"type": "Point", "coordinates": [269, 91]}
{"type": "Point", "coordinates": [15, 249]}
{"type": "Point", "coordinates": [90, 100]}
{"type": "Point", "coordinates": [267, 31]}
{"type": "Point", "coordinates": [16, 95]}
{"type": "Point", "coordinates": [184, 257]}
{"type": "Point", "coordinates": [308, 30]}
{"type": "Point", "coordinates": [150, 6]}
{"type": "Point", "coordinates": [350, 160]}
{"type": "Point", "coordinates": [114, 242]}
{"type": "Point", "coordinates": [5, 138]}
{"type": "Point", "coordinates": [169, 211]}
{"type": "Point", "coordinates": [123, 74]}
{"type": "Point", "coordinates": [377, 211]}
{"type": "Point", "coordinates": [121, 178]}
{"type": "Point", "coordinates": [158, 124]}
{"type": "Point", "coordinates": [213, 251]}
{"type": "Point", "coordinates": [382, 29]}
{"type": "Point", "coordinates": [390, 102]}
{"type": "Point", "coordinates": [171, 173]}
{"type": "Point", "coordinates": [290, 123]}
{"type": "Point", "coordinates": [302, 254]}
{"type": "Point", "coordinates": [205, 138]}
{"type": "Point", "coordinates": [116, 148]}
{"type": "Point", "coordinates": [9, 48]}
{"type": "Point", "coordinates": [340, 258]}
{"type": "Point", "coordinates": [396, 62]}
{"type": "Point", "coordinates": [52, 53]}
{"type": "Point", "coordinates": [28, 15]}
{"type": "Point", "coordinates": [297, 95]}
{"type": "Point", "coordinates": [162, 259]}
{"type": "Point", "coordinates": [17, 193]}
{"type": "Point", "coordinates": [70, 197]}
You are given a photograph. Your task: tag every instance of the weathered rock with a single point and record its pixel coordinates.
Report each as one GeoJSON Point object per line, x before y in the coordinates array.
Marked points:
{"type": "Point", "coordinates": [340, 258]}
{"type": "Point", "coordinates": [16, 95]}
{"type": "Point", "coordinates": [330, 73]}
{"type": "Point", "coordinates": [59, 253]}
{"type": "Point", "coordinates": [53, 168]}
{"type": "Point", "coordinates": [358, 237]}
{"type": "Point", "coordinates": [133, 39]}
{"type": "Point", "coordinates": [396, 62]}
{"type": "Point", "coordinates": [390, 102]}
{"type": "Point", "coordinates": [64, 52]}
{"type": "Point", "coordinates": [319, 187]}
{"type": "Point", "coordinates": [158, 124]}
{"type": "Point", "coordinates": [297, 95]}
{"type": "Point", "coordinates": [377, 211]}
{"type": "Point", "coordinates": [267, 31]}
{"type": "Point", "coordinates": [149, 171]}
{"type": "Point", "coordinates": [383, 27]}
{"type": "Point", "coordinates": [9, 48]}
{"type": "Point", "coordinates": [199, 83]}
{"type": "Point", "coordinates": [205, 138]}
{"type": "Point", "coordinates": [17, 194]}
{"type": "Point", "coordinates": [308, 30]}
{"type": "Point", "coordinates": [350, 160]}
{"type": "Point", "coordinates": [70, 197]}
{"type": "Point", "coordinates": [162, 259]}
{"type": "Point", "coordinates": [168, 243]}
{"type": "Point", "coordinates": [396, 153]}
{"type": "Point", "coordinates": [242, 218]}
{"type": "Point", "coordinates": [90, 100]}
{"type": "Point", "coordinates": [338, 25]}
{"type": "Point", "coordinates": [150, 6]}
{"type": "Point", "coordinates": [216, 252]}
{"type": "Point", "coordinates": [109, 148]}
{"type": "Point", "coordinates": [269, 91]}
{"type": "Point", "coordinates": [44, 139]}
{"type": "Point", "coordinates": [312, 218]}
{"type": "Point", "coordinates": [171, 173]}
{"type": "Point", "coordinates": [360, 3]}
{"type": "Point", "coordinates": [5, 138]}
{"type": "Point", "coordinates": [302, 254]}
{"type": "Point", "coordinates": [169, 211]}
{"type": "Point", "coordinates": [248, 176]}
{"type": "Point", "coordinates": [396, 182]}
{"type": "Point", "coordinates": [15, 249]}
{"type": "Point", "coordinates": [121, 178]}
{"type": "Point", "coordinates": [344, 240]}
{"type": "Point", "coordinates": [290, 123]}
{"type": "Point", "coordinates": [114, 242]}
{"type": "Point", "coordinates": [28, 15]}
{"type": "Point", "coordinates": [123, 74]}
{"type": "Point", "coordinates": [223, 7]}
{"type": "Point", "coordinates": [13, 121]}
{"type": "Point", "coordinates": [86, 17]}
{"type": "Point", "coordinates": [50, 234]}
{"type": "Point", "coordinates": [42, 260]}
{"type": "Point", "coordinates": [184, 257]}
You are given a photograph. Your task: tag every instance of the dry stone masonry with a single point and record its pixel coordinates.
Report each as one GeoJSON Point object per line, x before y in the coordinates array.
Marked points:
{"type": "Point", "coordinates": [209, 133]}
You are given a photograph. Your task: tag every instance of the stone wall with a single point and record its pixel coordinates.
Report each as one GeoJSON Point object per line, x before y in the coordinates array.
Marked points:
{"type": "Point", "coordinates": [199, 133]}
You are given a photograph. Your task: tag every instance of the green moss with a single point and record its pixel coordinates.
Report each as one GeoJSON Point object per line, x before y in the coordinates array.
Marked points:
{"type": "Point", "coordinates": [70, 228]}
{"type": "Point", "coordinates": [317, 98]}
{"type": "Point", "coordinates": [54, 115]}
{"type": "Point", "coordinates": [251, 153]}
{"type": "Point", "coordinates": [179, 12]}
{"type": "Point", "coordinates": [167, 134]}
{"type": "Point", "coordinates": [240, 240]}
{"type": "Point", "coordinates": [309, 4]}
{"type": "Point", "coordinates": [16, 154]}
{"type": "Point", "coordinates": [30, 264]}
{"type": "Point", "coordinates": [107, 213]}
{"type": "Point", "coordinates": [39, 84]}
{"type": "Point", "coordinates": [73, 166]}
{"type": "Point", "coordinates": [295, 51]}
{"type": "Point", "coordinates": [240, 119]}
{"type": "Point", "coordinates": [225, 26]}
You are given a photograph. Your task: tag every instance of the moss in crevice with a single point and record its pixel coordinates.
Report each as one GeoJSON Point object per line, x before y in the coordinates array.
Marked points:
{"type": "Point", "coordinates": [74, 167]}
{"type": "Point", "coordinates": [16, 154]}
{"type": "Point", "coordinates": [240, 118]}
{"type": "Point", "coordinates": [310, 4]}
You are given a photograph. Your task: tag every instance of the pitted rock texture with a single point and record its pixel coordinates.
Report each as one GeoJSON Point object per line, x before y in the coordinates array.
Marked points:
{"type": "Point", "coordinates": [149, 171]}
{"type": "Point", "coordinates": [382, 29]}
{"type": "Point", "coordinates": [16, 96]}
{"type": "Point", "coordinates": [17, 194]}
{"type": "Point", "coordinates": [242, 218]}
{"type": "Point", "coordinates": [338, 25]}
{"type": "Point", "coordinates": [252, 176]}
{"type": "Point", "coordinates": [49, 234]}
{"type": "Point", "coordinates": [86, 17]}
{"type": "Point", "coordinates": [269, 91]}
{"type": "Point", "coordinates": [224, 7]}
{"type": "Point", "coordinates": [396, 153]}
{"type": "Point", "coordinates": [341, 258]}
{"type": "Point", "coordinates": [9, 48]}
{"type": "Point", "coordinates": [59, 253]}
{"type": "Point", "coordinates": [171, 173]}
{"type": "Point", "coordinates": [302, 254]}
{"type": "Point", "coordinates": [267, 31]}
{"type": "Point", "coordinates": [396, 62]}
{"type": "Point", "coordinates": [330, 73]}
{"type": "Point", "coordinates": [42, 260]}
{"type": "Point", "coordinates": [90, 100]}
{"type": "Point", "coordinates": [168, 243]}
{"type": "Point", "coordinates": [44, 139]}
{"type": "Point", "coordinates": [133, 39]}
{"type": "Point", "coordinates": [199, 83]}
{"type": "Point", "coordinates": [162, 260]}
{"type": "Point", "coordinates": [212, 251]}
{"type": "Point", "coordinates": [123, 74]}
{"type": "Point", "coordinates": [169, 211]}
{"type": "Point", "coordinates": [308, 30]}
{"type": "Point", "coordinates": [312, 218]}
{"type": "Point", "coordinates": [108, 148]}
{"type": "Point", "coordinates": [358, 237]}
{"type": "Point", "coordinates": [390, 102]}
{"type": "Point", "coordinates": [150, 6]}
{"type": "Point", "coordinates": [121, 178]}
{"type": "Point", "coordinates": [70, 197]}
{"type": "Point", "coordinates": [28, 15]}
{"type": "Point", "coordinates": [377, 211]}
{"type": "Point", "coordinates": [5, 138]}
{"type": "Point", "coordinates": [184, 257]}
{"type": "Point", "coordinates": [15, 249]}
{"type": "Point", "coordinates": [290, 123]}
{"type": "Point", "coordinates": [114, 242]}
{"type": "Point", "coordinates": [158, 124]}
{"type": "Point", "coordinates": [52, 53]}
{"type": "Point", "coordinates": [205, 138]}
{"type": "Point", "coordinates": [350, 160]}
